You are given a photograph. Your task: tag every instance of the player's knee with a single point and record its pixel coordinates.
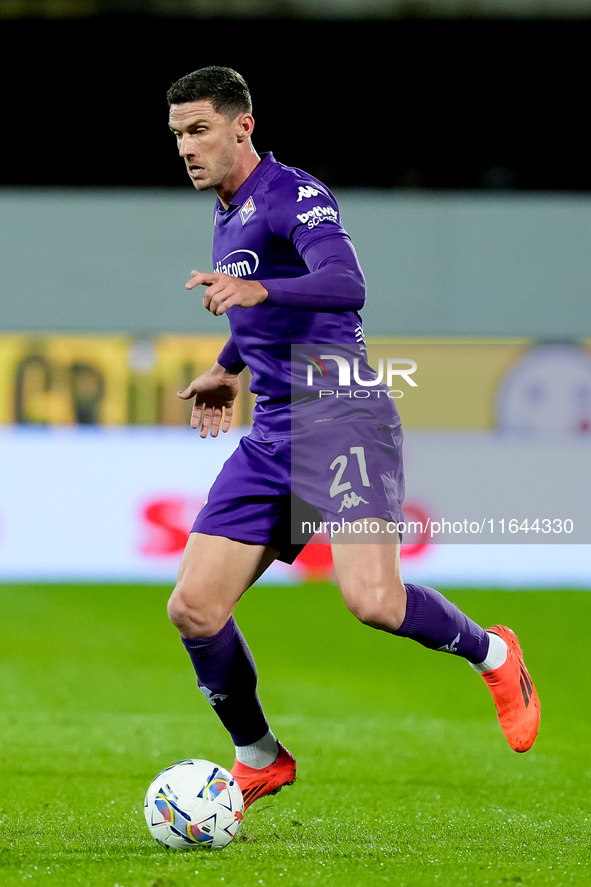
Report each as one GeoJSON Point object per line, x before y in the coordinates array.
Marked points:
{"type": "Point", "coordinates": [192, 615]}
{"type": "Point", "coordinates": [378, 606]}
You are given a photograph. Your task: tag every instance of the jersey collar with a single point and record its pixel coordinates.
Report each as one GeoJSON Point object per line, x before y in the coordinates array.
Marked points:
{"type": "Point", "coordinates": [248, 185]}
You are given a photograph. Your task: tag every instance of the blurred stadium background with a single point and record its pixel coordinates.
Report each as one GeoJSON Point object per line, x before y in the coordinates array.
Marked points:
{"type": "Point", "coordinates": [454, 135]}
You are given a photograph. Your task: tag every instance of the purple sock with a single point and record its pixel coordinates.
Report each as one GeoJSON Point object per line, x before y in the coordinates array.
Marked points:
{"type": "Point", "coordinates": [227, 677]}
{"type": "Point", "coordinates": [438, 624]}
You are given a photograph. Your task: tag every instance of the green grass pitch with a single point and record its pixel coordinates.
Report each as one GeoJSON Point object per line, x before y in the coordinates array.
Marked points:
{"type": "Point", "coordinates": [404, 776]}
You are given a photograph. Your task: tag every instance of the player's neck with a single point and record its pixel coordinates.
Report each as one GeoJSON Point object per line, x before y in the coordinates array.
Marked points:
{"type": "Point", "coordinates": [246, 162]}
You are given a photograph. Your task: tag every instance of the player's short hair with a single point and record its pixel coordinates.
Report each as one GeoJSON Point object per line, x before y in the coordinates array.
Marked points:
{"type": "Point", "coordinates": [225, 88]}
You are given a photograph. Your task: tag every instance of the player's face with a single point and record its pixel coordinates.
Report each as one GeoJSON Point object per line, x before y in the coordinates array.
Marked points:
{"type": "Point", "coordinates": [208, 142]}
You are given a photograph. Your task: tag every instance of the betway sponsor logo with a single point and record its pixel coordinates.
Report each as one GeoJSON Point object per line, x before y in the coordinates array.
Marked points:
{"type": "Point", "coordinates": [318, 214]}
{"type": "Point", "coordinates": [238, 263]}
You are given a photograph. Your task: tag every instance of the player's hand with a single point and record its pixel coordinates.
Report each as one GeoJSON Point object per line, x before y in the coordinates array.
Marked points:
{"type": "Point", "coordinates": [214, 392]}
{"type": "Point", "coordinates": [224, 291]}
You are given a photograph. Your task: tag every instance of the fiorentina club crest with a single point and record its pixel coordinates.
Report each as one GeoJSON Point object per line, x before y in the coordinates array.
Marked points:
{"type": "Point", "coordinates": [248, 209]}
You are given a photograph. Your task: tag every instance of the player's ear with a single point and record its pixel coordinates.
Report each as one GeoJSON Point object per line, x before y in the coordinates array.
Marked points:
{"type": "Point", "coordinates": [244, 126]}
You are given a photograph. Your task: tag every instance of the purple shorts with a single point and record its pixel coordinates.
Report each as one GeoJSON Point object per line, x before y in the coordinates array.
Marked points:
{"type": "Point", "coordinates": [279, 493]}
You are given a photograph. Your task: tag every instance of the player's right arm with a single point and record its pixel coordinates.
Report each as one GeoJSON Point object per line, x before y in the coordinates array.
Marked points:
{"type": "Point", "coordinates": [215, 392]}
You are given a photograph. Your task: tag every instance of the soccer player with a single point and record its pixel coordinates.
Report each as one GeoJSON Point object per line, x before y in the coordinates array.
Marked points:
{"type": "Point", "coordinates": [285, 272]}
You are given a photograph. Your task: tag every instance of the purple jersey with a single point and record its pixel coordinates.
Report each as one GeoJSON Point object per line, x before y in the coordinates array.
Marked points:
{"type": "Point", "coordinates": [274, 231]}
{"type": "Point", "coordinates": [326, 457]}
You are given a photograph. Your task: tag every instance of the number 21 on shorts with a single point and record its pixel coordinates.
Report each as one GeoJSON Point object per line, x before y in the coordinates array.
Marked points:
{"type": "Point", "coordinates": [339, 466]}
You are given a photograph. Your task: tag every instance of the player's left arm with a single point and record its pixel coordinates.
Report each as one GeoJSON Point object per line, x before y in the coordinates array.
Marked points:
{"type": "Point", "coordinates": [222, 291]}
{"type": "Point", "coordinates": [335, 281]}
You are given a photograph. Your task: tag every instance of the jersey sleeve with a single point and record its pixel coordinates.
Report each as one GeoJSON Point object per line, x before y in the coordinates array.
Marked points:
{"type": "Point", "coordinates": [307, 214]}
{"type": "Point", "coordinates": [302, 211]}
{"type": "Point", "coordinates": [335, 281]}
{"type": "Point", "coordinates": [230, 359]}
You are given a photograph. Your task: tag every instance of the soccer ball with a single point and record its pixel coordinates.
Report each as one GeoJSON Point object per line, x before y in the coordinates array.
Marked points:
{"type": "Point", "coordinates": [194, 804]}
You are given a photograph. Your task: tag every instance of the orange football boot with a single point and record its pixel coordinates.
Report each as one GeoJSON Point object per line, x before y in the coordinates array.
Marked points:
{"type": "Point", "coordinates": [514, 694]}
{"type": "Point", "coordinates": [255, 784]}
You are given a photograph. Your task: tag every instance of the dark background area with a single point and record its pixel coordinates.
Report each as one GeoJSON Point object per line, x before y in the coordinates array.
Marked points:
{"type": "Point", "coordinates": [379, 104]}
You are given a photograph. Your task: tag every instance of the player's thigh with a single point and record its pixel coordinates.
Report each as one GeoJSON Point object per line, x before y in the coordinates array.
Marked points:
{"type": "Point", "coordinates": [368, 573]}
{"type": "Point", "coordinates": [213, 575]}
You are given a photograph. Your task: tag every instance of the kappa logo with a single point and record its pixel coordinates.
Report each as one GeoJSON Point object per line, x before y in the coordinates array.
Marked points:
{"type": "Point", "coordinates": [247, 210]}
{"type": "Point", "coordinates": [305, 191]}
{"type": "Point", "coordinates": [351, 500]}
{"type": "Point", "coordinates": [452, 647]}
{"type": "Point", "coordinates": [213, 698]}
